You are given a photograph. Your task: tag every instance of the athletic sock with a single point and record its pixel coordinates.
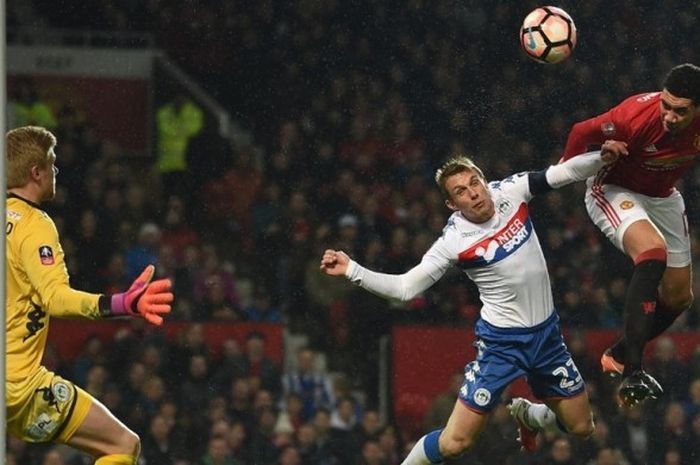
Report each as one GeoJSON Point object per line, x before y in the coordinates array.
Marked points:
{"type": "Point", "coordinates": [663, 318]}
{"type": "Point", "coordinates": [116, 459]}
{"type": "Point", "coordinates": [426, 451]}
{"type": "Point", "coordinates": [542, 417]}
{"type": "Point", "coordinates": [640, 305]}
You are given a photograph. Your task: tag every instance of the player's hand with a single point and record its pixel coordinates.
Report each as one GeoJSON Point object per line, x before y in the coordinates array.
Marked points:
{"type": "Point", "coordinates": [145, 298]}
{"type": "Point", "coordinates": [334, 262]}
{"type": "Point", "coordinates": [612, 150]}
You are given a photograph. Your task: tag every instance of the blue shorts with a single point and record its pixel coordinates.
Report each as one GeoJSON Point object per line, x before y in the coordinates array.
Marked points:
{"type": "Point", "coordinates": [505, 354]}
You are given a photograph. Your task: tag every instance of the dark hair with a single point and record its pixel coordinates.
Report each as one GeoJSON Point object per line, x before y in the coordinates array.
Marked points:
{"type": "Point", "coordinates": [684, 81]}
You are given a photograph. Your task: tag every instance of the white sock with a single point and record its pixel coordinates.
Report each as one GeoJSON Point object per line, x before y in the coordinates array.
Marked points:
{"type": "Point", "coordinates": [542, 417]}
{"type": "Point", "coordinates": [417, 455]}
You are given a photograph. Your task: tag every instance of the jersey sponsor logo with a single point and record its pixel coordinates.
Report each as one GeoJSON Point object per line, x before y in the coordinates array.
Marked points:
{"type": "Point", "coordinates": [471, 233]}
{"type": "Point", "coordinates": [669, 162]}
{"type": "Point", "coordinates": [647, 97]}
{"type": "Point", "coordinates": [35, 323]}
{"type": "Point", "coordinates": [501, 244]}
{"type": "Point", "coordinates": [482, 396]}
{"type": "Point", "coordinates": [13, 215]}
{"type": "Point", "coordinates": [46, 255]}
{"type": "Point", "coordinates": [626, 204]}
{"type": "Point", "coordinates": [41, 428]}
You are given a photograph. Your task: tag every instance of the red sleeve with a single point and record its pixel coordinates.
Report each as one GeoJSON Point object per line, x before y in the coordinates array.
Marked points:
{"type": "Point", "coordinates": [613, 124]}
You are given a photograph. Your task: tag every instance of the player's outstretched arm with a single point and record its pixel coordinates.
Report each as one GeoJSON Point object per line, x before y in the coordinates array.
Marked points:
{"type": "Point", "coordinates": [392, 286]}
{"type": "Point", "coordinates": [583, 166]}
{"type": "Point", "coordinates": [334, 262]}
{"type": "Point", "coordinates": [146, 298]}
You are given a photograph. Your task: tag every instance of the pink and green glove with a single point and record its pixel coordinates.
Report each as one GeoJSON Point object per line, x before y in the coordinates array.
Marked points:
{"type": "Point", "coordinates": [145, 298]}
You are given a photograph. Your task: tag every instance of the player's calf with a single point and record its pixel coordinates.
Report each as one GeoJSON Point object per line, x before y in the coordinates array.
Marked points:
{"type": "Point", "coordinates": [455, 444]}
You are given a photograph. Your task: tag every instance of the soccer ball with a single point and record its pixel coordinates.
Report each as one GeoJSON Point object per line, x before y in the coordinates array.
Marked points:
{"type": "Point", "coordinates": [548, 34]}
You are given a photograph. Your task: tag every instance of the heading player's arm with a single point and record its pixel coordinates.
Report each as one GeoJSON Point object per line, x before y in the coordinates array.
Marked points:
{"type": "Point", "coordinates": [391, 286]}
{"type": "Point", "coordinates": [577, 168]}
{"type": "Point", "coordinates": [591, 133]}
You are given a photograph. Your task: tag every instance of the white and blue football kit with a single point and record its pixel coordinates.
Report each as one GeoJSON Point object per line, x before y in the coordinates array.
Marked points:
{"type": "Point", "coordinates": [518, 332]}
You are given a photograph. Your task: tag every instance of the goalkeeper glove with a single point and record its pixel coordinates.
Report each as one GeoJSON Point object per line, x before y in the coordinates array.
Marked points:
{"type": "Point", "coordinates": [145, 298]}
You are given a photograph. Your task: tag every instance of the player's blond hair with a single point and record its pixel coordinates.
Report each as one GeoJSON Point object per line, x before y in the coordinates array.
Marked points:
{"type": "Point", "coordinates": [26, 147]}
{"type": "Point", "coordinates": [454, 165]}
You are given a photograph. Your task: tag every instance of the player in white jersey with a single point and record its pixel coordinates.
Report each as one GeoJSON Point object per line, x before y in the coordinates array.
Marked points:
{"type": "Point", "coordinates": [490, 236]}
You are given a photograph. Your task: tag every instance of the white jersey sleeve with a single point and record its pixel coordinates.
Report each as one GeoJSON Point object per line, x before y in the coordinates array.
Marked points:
{"type": "Point", "coordinates": [406, 286]}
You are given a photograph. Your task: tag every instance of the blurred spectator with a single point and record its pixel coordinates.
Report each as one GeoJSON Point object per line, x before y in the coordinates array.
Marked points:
{"type": "Point", "coordinates": [609, 456]}
{"type": "Point", "coordinates": [157, 446]}
{"type": "Point", "coordinates": [196, 390]}
{"type": "Point", "coordinates": [562, 453]}
{"type": "Point", "coordinates": [668, 369]}
{"type": "Point", "coordinates": [314, 387]}
{"type": "Point", "coordinates": [671, 433]}
{"type": "Point", "coordinates": [372, 454]}
{"type": "Point", "coordinates": [177, 122]}
{"type": "Point", "coordinates": [441, 405]}
{"type": "Point", "coordinates": [261, 369]}
{"type": "Point", "coordinates": [144, 252]}
{"type": "Point", "coordinates": [54, 457]}
{"type": "Point", "coordinates": [290, 456]}
{"type": "Point", "coordinates": [91, 354]}
{"type": "Point", "coordinates": [343, 440]}
{"type": "Point", "coordinates": [218, 453]}
{"type": "Point", "coordinates": [261, 309]}
{"type": "Point", "coordinates": [27, 109]}
{"type": "Point", "coordinates": [215, 270]}
{"type": "Point", "coordinates": [232, 365]}
{"type": "Point", "coordinates": [630, 432]}
{"type": "Point", "coordinates": [263, 449]}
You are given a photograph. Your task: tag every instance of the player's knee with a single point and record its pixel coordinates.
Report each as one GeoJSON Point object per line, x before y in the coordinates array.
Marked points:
{"type": "Point", "coordinates": [129, 443]}
{"type": "Point", "coordinates": [678, 300]}
{"type": "Point", "coordinates": [582, 429]}
{"type": "Point", "coordinates": [455, 444]}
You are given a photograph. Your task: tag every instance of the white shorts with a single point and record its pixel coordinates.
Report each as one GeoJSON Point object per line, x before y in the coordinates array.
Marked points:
{"type": "Point", "coordinates": [613, 209]}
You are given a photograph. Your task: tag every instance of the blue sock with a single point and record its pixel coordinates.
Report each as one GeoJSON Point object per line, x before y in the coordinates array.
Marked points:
{"type": "Point", "coordinates": [431, 446]}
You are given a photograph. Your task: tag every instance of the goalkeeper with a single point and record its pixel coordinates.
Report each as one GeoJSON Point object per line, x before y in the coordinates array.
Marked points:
{"type": "Point", "coordinates": [41, 406]}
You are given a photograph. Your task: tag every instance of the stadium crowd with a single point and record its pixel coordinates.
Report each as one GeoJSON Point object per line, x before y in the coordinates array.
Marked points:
{"type": "Point", "coordinates": [353, 105]}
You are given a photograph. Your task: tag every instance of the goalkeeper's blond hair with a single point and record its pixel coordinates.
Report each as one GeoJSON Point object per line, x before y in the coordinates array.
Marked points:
{"type": "Point", "coordinates": [454, 165]}
{"type": "Point", "coordinates": [26, 147]}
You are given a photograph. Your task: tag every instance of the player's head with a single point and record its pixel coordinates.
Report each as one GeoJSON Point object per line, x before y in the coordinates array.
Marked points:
{"type": "Point", "coordinates": [680, 97]}
{"type": "Point", "coordinates": [30, 160]}
{"type": "Point", "coordinates": [464, 188]}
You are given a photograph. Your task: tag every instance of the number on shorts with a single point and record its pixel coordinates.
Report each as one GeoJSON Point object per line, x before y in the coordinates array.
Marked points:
{"type": "Point", "coordinates": [567, 381]}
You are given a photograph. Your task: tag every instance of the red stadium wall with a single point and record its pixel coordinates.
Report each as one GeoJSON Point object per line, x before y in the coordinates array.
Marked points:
{"type": "Point", "coordinates": [68, 336]}
{"type": "Point", "coordinates": [425, 358]}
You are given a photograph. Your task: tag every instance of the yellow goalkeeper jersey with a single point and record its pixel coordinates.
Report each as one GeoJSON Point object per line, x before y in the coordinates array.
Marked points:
{"type": "Point", "coordinates": [37, 286]}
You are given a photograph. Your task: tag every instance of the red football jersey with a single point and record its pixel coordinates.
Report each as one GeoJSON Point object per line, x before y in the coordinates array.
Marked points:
{"type": "Point", "coordinates": [656, 158]}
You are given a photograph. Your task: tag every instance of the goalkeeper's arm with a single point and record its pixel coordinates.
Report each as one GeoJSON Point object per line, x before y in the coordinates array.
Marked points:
{"type": "Point", "coordinates": [145, 298]}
